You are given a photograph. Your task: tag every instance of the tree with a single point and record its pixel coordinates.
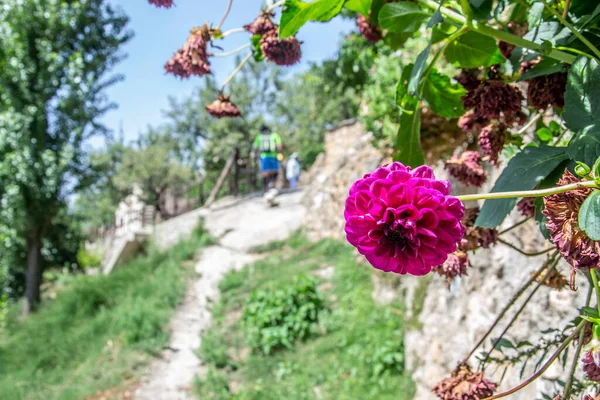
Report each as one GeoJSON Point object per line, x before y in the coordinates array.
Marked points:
{"type": "Point", "coordinates": [54, 58]}
{"type": "Point", "coordinates": [153, 163]}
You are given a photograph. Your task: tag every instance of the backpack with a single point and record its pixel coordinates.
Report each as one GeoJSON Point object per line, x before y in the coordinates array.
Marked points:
{"type": "Point", "coordinates": [267, 143]}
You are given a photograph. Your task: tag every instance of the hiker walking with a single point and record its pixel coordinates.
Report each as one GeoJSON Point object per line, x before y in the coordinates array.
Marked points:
{"type": "Point", "coordinates": [292, 171]}
{"type": "Point", "coordinates": [269, 144]}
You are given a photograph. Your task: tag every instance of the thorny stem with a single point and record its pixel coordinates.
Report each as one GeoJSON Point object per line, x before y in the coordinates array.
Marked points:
{"type": "Point", "coordinates": [235, 71]}
{"type": "Point", "coordinates": [538, 253]}
{"type": "Point", "coordinates": [520, 310]}
{"type": "Point", "coordinates": [220, 24]}
{"type": "Point", "coordinates": [234, 30]}
{"type": "Point", "coordinates": [596, 288]}
{"type": "Point", "coordinates": [528, 193]}
{"type": "Point", "coordinates": [510, 228]}
{"type": "Point", "coordinates": [554, 356]}
{"type": "Point", "coordinates": [496, 34]}
{"type": "Point", "coordinates": [575, 363]}
{"type": "Point", "coordinates": [506, 308]}
{"type": "Point", "coordinates": [232, 52]}
{"type": "Point", "coordinates": [578, 34]}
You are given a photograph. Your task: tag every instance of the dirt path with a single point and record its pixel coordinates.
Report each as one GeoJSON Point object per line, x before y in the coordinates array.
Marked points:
{"type": "Point", "coordinates": [240, 227]}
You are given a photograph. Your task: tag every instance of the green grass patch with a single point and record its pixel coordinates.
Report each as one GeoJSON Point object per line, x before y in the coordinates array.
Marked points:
{"type": "Point", "coordinates": [100, 330]}
{"type": "Point", "coordinates": [355, 351]}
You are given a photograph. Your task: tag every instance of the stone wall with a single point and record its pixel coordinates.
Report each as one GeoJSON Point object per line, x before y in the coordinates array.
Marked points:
{"type": "Point", "coordinates": [445, 322]}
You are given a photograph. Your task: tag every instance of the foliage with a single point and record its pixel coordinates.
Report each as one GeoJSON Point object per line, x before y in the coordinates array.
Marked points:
{"type": "Point", "coordinates": [98, 331]}
{"type": "Point", "coordinates": [55, 56]}
{"type": "Point", "coordinates": [88, 259]}
{"type": "Point", "coordinates": [356, 354]}
{"type": "Point", "coordinates": [276, 319]}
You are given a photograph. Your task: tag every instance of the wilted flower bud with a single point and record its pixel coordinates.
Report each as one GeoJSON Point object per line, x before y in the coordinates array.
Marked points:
{"type": "Point", "coordinates": [161, 3]}
{"type": "Point", "coordinates": [491, 141]}
{"type": "Point", "coordinates": [591, 360]}
{"type": "Point", "coordinates": [455, 265]}
{"type": "Point", "coordinates": [262, 24]}
{"type": "Point", "coordinates": [222, 107]}
{"type": "Point", "coordinates": [192, 58]}
{"type": "Point", "coordinates": [547, 90]}
{"type": "Point", "coordinates": [282, 52]}
{"type": "Point", "coordinates": [516, 29]}
{"type": "Point", "coordinates": [554, 279]}
{"type": "Point", "coordinates": [562, 211]}
{"type": "Point", "coordinates": [465, 385]}
{"type": "Point", "coordinates": [469, 122]}
{"type": "Point", "coordinates": [476, 236]}
{"type": "Point", "coordinates": [526, 206]}
{"type": "Point", "coordinates": [469, 79]}
{"type": "Point", "coordinates": [367, 29]}
{"type": "Point", "coordinates": [494, 98]}
{"type": "Point", "coordinates": [467, 169]}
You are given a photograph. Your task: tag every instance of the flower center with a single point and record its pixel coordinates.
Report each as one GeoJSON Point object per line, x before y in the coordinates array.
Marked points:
{"type": "Point", "coordinates": [395, 236]}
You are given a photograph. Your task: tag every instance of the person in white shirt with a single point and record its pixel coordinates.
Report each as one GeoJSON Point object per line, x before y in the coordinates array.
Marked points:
{"type": "Point", "coordinates": [292, 171]}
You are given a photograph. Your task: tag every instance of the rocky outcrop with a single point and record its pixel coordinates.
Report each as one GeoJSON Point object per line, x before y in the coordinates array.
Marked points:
{"type": "Point", "coordinates": [443, 323]}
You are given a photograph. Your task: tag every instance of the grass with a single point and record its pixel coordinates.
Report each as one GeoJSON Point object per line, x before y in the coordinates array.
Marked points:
{"type": "Point", "coordinates": [355, 352]}
{"type": "Point", "coordinates": [99, 332]}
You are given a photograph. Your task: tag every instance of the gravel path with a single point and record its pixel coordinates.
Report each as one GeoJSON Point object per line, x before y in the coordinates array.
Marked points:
{"type": "Point", "coordinates": [240, 227]}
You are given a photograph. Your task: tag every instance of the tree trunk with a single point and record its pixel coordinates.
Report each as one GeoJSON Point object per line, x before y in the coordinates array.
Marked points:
{"type": "Point", "coordinates": [33, 275]}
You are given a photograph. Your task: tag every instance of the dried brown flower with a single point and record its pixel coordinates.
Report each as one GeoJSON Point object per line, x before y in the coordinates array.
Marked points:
{"type": "Point", "coordinates": [455, 265]}
{"type": "Point", "coordinates": [476, 236]}
{"type": "Point", "coordinates": [223, 107]}
{"type": "Point", "coordinates": [491, 141]}
{"type": "Point", "coordinates": [467, 168]}
{"type": "Point", "coordinates": [192, 58]}
{"type": "Point", "coordinates": [368, 30]}
{"type": "Point", "coordinates": [282, 52]}
{"type": "Point", "coordinates": [262, 24]}
{"type": "Point", "coordinates": [562, 211]}
{"type": "Point", "coordinates": [465, 385]}
{"type": "Point", "coordinates": [547, 90]}
{"type": "Point", "coordinates": [492, 99]}
{"type": "Point", "coordinates": [161, 3]}
{"type": "Point", "coordinates": [526, 206]}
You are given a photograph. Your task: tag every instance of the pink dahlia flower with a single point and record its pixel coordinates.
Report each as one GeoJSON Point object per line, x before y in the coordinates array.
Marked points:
{"type": "Point", "coordinates": [403, 220]}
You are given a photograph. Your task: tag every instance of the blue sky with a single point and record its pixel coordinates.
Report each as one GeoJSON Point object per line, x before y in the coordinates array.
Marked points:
{"type": "Point", "coordinates": [143, 94]}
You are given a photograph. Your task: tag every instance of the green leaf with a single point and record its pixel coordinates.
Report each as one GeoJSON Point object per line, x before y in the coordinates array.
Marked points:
{"type": "Point", "coordinates": [408, 148]}
{"type": "Point", "coordinates": [545, 67]}
{"type": "Point", "coordinates": [360, 6]}
{"type": "Point", "coordinates": [296, 13]}
{"type": "Point", "coordinates": [523, 172]}
{"type": "Point", "coordinates": [418, 69]}
{"type": "Point", "coordinates": [375, 9]}
{"type": "Point", "coordinates": [554, 127]}
{"type": "Point", "coordinates": [402, 17]}
{"type": "Point", "coordinates": [473, 50]}
{"type": "Point", "coordinates": [402, 87]}
{"type": "Point", "coordinates": [585, 146]}
{"type": "Point", "coordinates": [482, 9]}
{"type": "Point", "coordinates": [257, 52]}
{"type": "Point", "coordinates": [442, 96]}
{"type": "Point", "coordinates": [544, 134]}
{"type": "Point", "coordinates": [552, 32]}
{"type": "Point", "coordinates": [535, 14]}
{"type": "Point", "coordinates": [582, 97]}
{"type": "Point", "coordinates": [589, 312]}
{"type": "Point", "coordinates": [589, 215]}
{"type": "Point", "coordinates": [396, 40]}
{"type": "Point", "coordinates": [503, 343]}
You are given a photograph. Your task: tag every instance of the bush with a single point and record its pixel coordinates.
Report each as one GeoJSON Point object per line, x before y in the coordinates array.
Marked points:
{"type": "Point", "coordinates": [276, 319]}
{"type": "Point", "coordinates": [88, 259]}
{"type": "Point", "coordinates": [388, 359]}
{"type": "Point", "coordinates": [213, 386]}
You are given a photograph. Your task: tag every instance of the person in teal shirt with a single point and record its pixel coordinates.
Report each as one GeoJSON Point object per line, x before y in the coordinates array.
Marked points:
{"type": "Point", "coordinates": [269, 145]}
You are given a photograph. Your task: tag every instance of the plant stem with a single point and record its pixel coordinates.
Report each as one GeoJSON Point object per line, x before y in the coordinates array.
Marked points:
{"type": "Point", "coordinates": [506, 308]}
{"type": "Point", "coordinates": [528, 193]}
{"type": "Point", "coordinates": [510, 228]}
{"type": "Point", "coordinates": [496, 34]}
{"type": "Point", "coordinates": [577, 34]}
{"type": "Point", "coordinates": [529, 124]}
{"type": "Point", "coordinates": [234, 30]}
{"type": "Point", "coordinates": [596, 288]}
{"type": "Point", "coordinates": [235, 71]}
{"type": "Point", "coordinates": [564, 15]}
{"type": "Point", "coordinates": [539, 253]}
{"type": "Point", "coordinates": [440, 51]}
{"type": "Point", "coordinates": [554, 356]}
{"type": "Point", "coordinates": [229, 53]}
{"type": "Point", "coordinates": [575, 362]}
{"type": "Point", "coordinates": [467, 11]}
{"type": "Point", "coordinates": [274, 6]}
{"type": "Point", "coordinates": [222, 21]}
{"type": "Point", "coordinates": [520, 310]}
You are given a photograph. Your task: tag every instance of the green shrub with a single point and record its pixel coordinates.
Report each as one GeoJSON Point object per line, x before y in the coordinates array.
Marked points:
{"type": "Point", "coordinates": [213, 386]}
{"type": "Point", "coordinates": [388, 358]}
{"type": "Point", "coordinates": [214, 351]}
{"type": "Point", "coordinates": [275, 319]}
{"type": "Point", "coordinates": [88, 259]}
